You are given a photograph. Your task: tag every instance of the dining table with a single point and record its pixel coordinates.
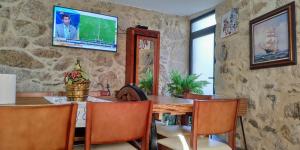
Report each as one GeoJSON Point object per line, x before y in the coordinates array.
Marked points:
{"type": "Point", "coordinates": [161, 104]}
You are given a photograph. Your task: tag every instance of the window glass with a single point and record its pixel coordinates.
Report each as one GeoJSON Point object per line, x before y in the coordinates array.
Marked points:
{"type": "Point", "coordinates": [202, 50]}
{"type": "Point", "coordinates": [204, 23]}
{"type": "Point", "coordinates": [203, 60]}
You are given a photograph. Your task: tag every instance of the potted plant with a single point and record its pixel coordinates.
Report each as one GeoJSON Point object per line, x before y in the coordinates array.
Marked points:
{"type": "Point", "coordinates": [182, 84]}
{"type": "Point", "coordinates": [146, 83]}
{"type": "Point", "coordinates": [77, 84]}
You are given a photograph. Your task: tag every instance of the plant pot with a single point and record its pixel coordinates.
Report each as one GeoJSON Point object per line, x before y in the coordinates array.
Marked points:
{"type": "Point", "coordinates": [78, 91]}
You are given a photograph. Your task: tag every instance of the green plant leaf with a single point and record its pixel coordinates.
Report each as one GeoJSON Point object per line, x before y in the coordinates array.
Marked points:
{"type": "Point", "coordinates": [69, 82]}
{"type": "Point", "coordinates": [84, 75]}
{"type": "Point", "coordinates": [189, 83]}
{"type": "Point", "coordinates": [146, 83]}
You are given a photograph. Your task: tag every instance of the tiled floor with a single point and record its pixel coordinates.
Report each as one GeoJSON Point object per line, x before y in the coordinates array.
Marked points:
{"type": "Point", "coordinates": [118, 146]}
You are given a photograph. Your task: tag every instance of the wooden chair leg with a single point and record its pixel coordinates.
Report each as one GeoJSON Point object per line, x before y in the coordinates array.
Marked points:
{"type": "Point", "coordinates": [136, 144]}
{"type": "Point", "coordinates": [231, 139]}
{"type": "Point", "coordinates": [153, 136]}
{"type": "Point", "coordinates": [244, 137]}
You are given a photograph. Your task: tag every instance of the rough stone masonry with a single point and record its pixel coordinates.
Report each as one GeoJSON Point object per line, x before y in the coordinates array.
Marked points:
{"type": "Point", "coordinates": [26, 44]}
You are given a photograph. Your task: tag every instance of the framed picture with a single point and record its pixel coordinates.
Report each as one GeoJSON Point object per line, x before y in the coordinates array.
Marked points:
{"type": "Point", "coordinates": [273, 38]}
{"type": "Point", "coordinates": [229, 24]}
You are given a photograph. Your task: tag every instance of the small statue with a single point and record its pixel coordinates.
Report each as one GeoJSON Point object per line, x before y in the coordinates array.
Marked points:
{"type": "Point", "coordinates": [77, 65]}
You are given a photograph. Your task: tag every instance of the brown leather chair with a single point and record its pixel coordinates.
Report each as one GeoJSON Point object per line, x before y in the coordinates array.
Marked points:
{"type": "Point", "coordinates": [118, 122]}
{"type": "Point", "coordinates": [131, 93]}
{"type": "Point", "coordinates": [37, 127]}
{"type": "Point", "coordinates": [209, 117]}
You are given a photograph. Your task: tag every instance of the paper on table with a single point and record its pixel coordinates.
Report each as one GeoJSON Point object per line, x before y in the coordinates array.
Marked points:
{"type": "Point", "coordinates": [81, 111]}
{"type": "Point", "coordinates": [7, 89]}
{"type": "Point", "coordinates": [63, 99]}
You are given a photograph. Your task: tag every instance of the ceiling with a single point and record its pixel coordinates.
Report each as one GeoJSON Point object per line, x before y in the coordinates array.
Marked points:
{"type": "Point", "coordinates": [174, 7]}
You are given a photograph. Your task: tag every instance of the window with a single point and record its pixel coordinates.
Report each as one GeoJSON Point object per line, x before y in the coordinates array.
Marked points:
{"type": "Point", "coordinates": [202, 45]}
{"type": "Point", "coordinates": [204, 23]}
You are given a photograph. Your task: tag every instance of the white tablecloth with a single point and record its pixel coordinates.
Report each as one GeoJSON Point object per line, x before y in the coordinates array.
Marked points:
{"type": "Point", "coordinates": [81, 112]}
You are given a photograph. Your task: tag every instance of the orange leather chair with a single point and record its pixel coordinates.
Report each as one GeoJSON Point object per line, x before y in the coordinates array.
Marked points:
{"type": "Point", "coordinates": [185, 118]}
{"type": "Point", "coordinates": [134, 93]}
{"type": "Point", "coordinates": [37, 127]}
{"type": "Point", "coordinates": [209, 117]}
{"type": "Point", "coordinates": [118, 122]}
{"type": "Point", "coordinates": [183, 128]}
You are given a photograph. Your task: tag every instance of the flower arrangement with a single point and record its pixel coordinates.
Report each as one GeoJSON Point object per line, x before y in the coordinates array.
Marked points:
{"type": "Point", "coordinates": [77, 84]}
{"type": "Point", "coordinates": [76, 76]}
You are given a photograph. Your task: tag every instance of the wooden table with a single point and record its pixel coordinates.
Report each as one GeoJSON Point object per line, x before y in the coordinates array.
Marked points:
{"type": "Point", "coordinates": [172, 105]}
{"type": "Point", "coordinates": [31, 101]}
{"type": "Point", "coordinates": [161, 104]}
{"type": "Point", "coordinates": [178, 106]}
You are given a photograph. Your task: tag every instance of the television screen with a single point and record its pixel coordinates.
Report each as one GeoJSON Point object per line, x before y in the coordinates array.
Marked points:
{"type": "Point", "coordinates": [75, 28]}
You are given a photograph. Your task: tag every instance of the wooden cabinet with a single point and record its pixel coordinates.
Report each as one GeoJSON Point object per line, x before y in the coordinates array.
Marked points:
{"type": "Point", "coordinates": [142, 55]}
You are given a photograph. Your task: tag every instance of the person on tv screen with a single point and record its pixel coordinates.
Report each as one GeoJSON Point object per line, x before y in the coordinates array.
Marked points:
{"type": "Point", "coordinates": [65, 29]}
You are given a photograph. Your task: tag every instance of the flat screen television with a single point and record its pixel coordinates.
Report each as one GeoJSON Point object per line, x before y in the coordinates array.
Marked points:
{"type": "Point", "coordinates": [80, 29]}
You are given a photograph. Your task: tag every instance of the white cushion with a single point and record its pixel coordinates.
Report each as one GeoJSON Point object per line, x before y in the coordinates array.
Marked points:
{"type": "Point", "coordinates": [183, 143]}
{"type": "Point", "coordinates": [172, 130]}
{"type": "Point", "coordinates": [115, 146]}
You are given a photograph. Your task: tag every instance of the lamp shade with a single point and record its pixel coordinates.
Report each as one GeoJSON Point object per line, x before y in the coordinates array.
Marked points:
{"type": "Point", "coordinates": [7, 88]}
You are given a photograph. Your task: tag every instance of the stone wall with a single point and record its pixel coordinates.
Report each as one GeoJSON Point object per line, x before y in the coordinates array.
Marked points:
{"type": "Point", "coordinates": [26, 48]}
{"type": "Point", "coordinates": [273, 119]}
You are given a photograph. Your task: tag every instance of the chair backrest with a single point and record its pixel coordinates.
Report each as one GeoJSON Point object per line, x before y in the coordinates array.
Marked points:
{"type": "Point", "coordinates": [196, 96]}
{"type": "Point", "coordinates": [243, 107]}
{"type": "Point", "coordinates": [213, 117]}
{"type": "Point", "coordinates": [35, 94]}
{"type": "Point", "coordinates": [134, 93]}
{"type": "Point", "coordinates": [118, 122]}
{"type": "Point", "coordinates": [131, 92]}
{"type": "Point", "coordinates": [37, 127]}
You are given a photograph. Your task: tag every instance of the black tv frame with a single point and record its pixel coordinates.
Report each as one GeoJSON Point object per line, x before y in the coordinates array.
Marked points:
{"type": "Point", "coordinates": [53, 22]}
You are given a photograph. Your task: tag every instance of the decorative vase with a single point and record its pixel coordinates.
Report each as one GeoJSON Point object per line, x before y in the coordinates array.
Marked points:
{"type": "Point", "coordinates": [77, 91]}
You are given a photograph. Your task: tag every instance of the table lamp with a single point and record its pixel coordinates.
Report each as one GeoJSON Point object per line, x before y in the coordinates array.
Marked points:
{"type": "Point", "coordinates": [7, 88]}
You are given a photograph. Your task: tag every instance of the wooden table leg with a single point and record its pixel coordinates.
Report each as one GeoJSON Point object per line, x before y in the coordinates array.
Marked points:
{"type": "Point", "coordinates": [79, 135]}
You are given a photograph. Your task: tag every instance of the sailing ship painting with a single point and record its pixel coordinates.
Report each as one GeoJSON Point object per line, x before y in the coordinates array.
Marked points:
{"type": "Point", "coordinates": [271, 39]}
{"type": "Point", "coordinates": [271, 43]}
